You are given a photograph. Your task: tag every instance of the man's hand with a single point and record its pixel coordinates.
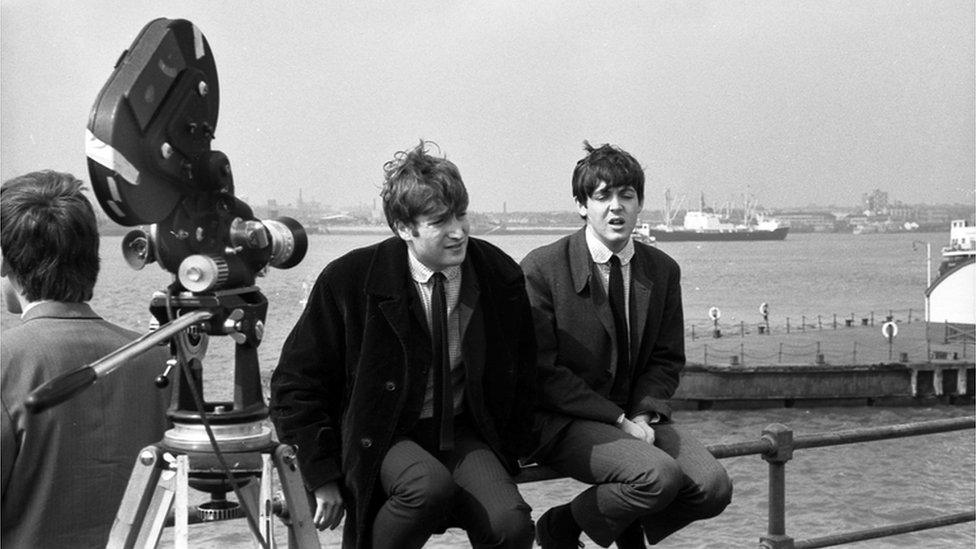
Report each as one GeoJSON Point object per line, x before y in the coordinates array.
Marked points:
{"type": "Point", "coordinates": [641, 421]}
{"type": "Point", "coordinates": [329, 506]}
{"type": "Point", "coordinates": [642, 430]}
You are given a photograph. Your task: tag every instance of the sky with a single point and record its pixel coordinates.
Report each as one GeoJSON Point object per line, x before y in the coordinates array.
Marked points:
{"type": "Point", "coordinates": [791, 103]}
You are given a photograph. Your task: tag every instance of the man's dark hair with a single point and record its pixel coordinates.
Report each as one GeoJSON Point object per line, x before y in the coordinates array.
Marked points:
{"type": "Point", "coordinates": [49, 236]}
{"type": "Point", "coordinates": [610, 164]}
{"type": "Point", "coordinates": [417, 183]}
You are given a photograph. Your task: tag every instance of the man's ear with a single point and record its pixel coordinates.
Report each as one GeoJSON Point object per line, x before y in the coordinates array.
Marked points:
{"type": "Point", "coordinates": [581, 209]}
{"type": "Point", "coordinates": [404, 231]}
{"type": "Point", "coordinates": [4, 268]}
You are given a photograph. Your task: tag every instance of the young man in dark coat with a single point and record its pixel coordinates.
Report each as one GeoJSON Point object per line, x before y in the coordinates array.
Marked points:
{"type": "Point", "coordinates": [407, 383]}
{"type": "Point", "coordinates": [610, 334]}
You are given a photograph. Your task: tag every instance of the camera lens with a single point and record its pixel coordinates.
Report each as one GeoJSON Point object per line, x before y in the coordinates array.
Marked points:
{"type": "Point", "coordinates": [289, 242]}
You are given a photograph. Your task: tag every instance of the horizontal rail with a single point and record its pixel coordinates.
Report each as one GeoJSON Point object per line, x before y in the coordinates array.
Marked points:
{"type": "Point", "coordinates": [763, 446]}
{"type": "Point", "coordinates": [886, 531]}
{"type": "Point", "coordinates": [867, 434]}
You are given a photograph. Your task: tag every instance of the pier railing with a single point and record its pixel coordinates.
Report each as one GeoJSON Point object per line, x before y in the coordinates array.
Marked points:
{"type": "Point", "coordinates": [776, 446]}
{"type": "Point", "coordinates": [828, 339]}
{"type": "Point", "coordinates": [704, 327]}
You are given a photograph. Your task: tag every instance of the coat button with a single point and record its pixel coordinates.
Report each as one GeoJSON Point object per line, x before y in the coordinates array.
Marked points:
{"type": "Point", "coordinates": [390, 386]}
{"type": "Point", "coordinates": [366, 442]}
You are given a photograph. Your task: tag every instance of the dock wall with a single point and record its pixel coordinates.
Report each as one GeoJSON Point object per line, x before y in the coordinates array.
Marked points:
{"type": "Point", "coordinates": [707, 387]}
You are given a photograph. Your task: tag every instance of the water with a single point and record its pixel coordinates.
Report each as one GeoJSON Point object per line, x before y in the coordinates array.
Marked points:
{"type": "Point", "coordinates": [829, 490]}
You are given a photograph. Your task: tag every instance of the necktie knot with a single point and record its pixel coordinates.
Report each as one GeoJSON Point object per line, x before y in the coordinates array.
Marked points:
{"type": "Point", "coordinates": [614, 261]}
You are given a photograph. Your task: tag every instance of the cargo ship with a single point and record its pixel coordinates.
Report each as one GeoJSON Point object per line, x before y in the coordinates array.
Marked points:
{"type": "Point", "coordinates": [706, 225]}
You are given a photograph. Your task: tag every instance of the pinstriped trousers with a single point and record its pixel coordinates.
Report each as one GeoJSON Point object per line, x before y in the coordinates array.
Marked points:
{"type": "Point", "coordinates": [429, 491]}
{"type": "Point", "coordinates": [665, 487]}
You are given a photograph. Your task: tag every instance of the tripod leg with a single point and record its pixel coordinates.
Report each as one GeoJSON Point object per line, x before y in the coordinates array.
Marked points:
{"type": "Point", "coordinates": [147, 499]}
{"type": "Point", "coordinates": [266, 524]}
{"type": "Point", "coordinates": [252, 494]}
{"type": "Point", "coordinates": [181, 524]}
{"type": "Point", "coordinates": [301, 529]}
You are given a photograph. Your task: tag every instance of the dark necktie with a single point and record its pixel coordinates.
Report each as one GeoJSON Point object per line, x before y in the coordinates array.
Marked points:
{"type": "Point", "coordinates": [619, 309]}
{"type": "Point", "coordinates": [441, 365]}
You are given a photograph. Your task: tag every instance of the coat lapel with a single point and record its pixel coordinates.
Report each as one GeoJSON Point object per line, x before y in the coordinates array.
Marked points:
{"type": "Point", "coordinates": [388, 281]}
{"type": "Point", "coordinates": [640, 299]}
{"type": "Point", "coordinates": [583, 272]}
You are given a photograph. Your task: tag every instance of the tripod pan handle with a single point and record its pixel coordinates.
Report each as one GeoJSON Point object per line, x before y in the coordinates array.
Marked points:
{"type": "Point", "coordinates": [59, 389]}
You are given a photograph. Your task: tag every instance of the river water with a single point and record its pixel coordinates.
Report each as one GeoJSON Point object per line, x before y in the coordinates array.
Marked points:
{"type": "Point", "coordinates": [829, 490]}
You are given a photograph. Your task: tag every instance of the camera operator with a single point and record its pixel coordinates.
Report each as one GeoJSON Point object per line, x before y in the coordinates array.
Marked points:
{"type": "Point", "coordinates": [64, 470]}
{"type": "Point", "coordinates": [407, 383]}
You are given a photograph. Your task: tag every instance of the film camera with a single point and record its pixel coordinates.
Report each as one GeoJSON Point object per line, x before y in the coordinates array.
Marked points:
{"type": "Point", "coordinates": [151, 163]}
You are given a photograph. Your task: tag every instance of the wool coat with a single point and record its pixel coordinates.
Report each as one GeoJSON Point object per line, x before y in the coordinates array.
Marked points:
{"type": "Point", "coordinates": [354, 369]}
{"type": "Point", "coordinates": [577, 341]}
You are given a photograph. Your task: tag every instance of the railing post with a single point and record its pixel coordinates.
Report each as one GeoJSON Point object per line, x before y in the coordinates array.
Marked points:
{"type": "Point", "coordinates": [781, 439]}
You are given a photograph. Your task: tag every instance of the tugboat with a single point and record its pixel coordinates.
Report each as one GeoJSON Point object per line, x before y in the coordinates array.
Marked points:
{"type": "Point", "coordinates": [952, 294]}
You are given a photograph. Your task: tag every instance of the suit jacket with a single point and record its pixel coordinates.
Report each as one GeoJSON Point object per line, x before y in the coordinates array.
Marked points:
{"type": "Point", "coordinates": [353, 371]}
{"type": "Point", "coordinates": [65, 470]}
{"type": "Point", "coordinates": [577, 342]}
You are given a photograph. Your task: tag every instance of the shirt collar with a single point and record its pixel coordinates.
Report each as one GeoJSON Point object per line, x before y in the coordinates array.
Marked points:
{"type": "Point", "coordinates": [31, 305]}
{"type": "Point", "coordinates": [420, 273]}
{"type": "Point", "coordinates": [601, 254]}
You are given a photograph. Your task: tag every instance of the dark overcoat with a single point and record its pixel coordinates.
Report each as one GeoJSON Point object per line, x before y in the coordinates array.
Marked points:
{"type": "Point", "coordinates": [576, 338]}
{"type": "Point", "coordinates": [354, 369]}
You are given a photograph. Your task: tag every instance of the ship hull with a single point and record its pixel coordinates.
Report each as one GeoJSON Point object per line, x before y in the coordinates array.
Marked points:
{"type": "Point", "coordinates": [703, 236]}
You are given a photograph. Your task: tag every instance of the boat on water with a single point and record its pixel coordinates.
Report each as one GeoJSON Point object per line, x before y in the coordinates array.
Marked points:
{"type": "Point", "coordinates": [951, 314]}
{"type": "Point", "coordinates": [706, 225]}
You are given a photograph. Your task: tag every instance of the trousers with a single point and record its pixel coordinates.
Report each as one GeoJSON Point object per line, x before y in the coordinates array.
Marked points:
{"type": "Point", "coordinates": [664, 487]}
{"type": "Point", "coordinates": [429, 491]}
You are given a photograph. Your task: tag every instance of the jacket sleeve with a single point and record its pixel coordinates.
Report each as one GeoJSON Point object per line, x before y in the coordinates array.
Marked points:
{"type": "Point", "coordinates": [520, 431]}
{"type": "Point", "coordinates": [659, 378]}
{"type": "Point", "coordinates": [560, 389]}
{"type": "Point", "coordinates": [307, 385]}
{"type": "Point", "coordinates": [8, 445]}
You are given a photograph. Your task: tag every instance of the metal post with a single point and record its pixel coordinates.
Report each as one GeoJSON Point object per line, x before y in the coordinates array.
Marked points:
{"type": "Point", "coordinates": [705, 361]}
{"type": "Point", "coordinates": [787, 324]}
{"type": "Point", "coordinates": [781, 439]}
{"type": "Point", "coordinates": [854, 358]}
{"type": "Point", "coordinates": [781, 352]}
{"type": "Point", "coordinates": [835, 321]}
{"type": "Point", "coordinates": [803, 323]}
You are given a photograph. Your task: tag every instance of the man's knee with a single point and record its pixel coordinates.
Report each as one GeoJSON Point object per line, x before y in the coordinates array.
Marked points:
{"type": "Point", "coordinates": [512, 528]}
{"type": "Point", "coordinates": [716, 494]}
{"type": "Point", "coordinates": [659, 484]}
{"type": "Point", "coordinates": [425, 486]}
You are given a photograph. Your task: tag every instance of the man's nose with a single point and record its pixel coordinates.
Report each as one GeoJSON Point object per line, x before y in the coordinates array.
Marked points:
{"type": "Point", "coordinates": [457, 228]}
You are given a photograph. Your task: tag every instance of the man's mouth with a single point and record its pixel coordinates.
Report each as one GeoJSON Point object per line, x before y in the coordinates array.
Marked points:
{"type": "Point", "coordinates": [616, 222]}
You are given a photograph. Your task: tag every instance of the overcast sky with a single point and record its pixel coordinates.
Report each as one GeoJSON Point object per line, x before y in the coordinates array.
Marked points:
{"type": "Point", "coordinates": [791, 102]}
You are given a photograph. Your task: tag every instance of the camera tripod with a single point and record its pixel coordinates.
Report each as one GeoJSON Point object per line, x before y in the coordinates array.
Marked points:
{"type": "Point", "coordinates": [226, 446]}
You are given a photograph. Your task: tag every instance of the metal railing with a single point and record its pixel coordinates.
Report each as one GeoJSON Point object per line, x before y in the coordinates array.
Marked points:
{"type": "Point", "coordinates": [776, 446]}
